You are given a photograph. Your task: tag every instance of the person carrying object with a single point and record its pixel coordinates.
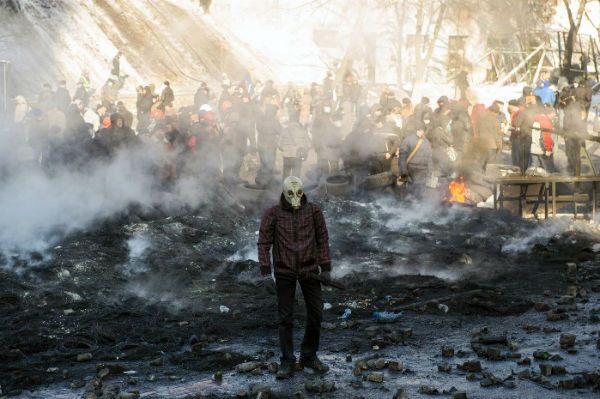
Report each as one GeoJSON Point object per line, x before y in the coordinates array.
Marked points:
{"type": "Point", "coordinates": [415, 159]}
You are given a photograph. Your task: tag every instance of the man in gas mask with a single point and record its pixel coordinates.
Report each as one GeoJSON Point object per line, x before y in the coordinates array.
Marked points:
{"type": "Point", "coordinates": [297, 232]}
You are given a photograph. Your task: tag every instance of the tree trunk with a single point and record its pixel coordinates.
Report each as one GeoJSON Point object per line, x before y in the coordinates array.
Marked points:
{"type": "Point", "coordinates": [574, 24]}
{"type": "Point", "coordinates": [400, 44]}
{"type": "Point", "coordinates": [423, 62]}
{"type": "Point", "coordinates": [418, 44]}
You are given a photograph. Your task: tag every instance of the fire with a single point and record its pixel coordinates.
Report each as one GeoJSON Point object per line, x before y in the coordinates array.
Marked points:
{"type": "Point", "coordinates": [457, 190]}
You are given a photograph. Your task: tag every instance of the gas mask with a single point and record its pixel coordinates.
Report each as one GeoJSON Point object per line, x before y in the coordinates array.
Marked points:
{"type": "Point", "coordinates": [292, 191]}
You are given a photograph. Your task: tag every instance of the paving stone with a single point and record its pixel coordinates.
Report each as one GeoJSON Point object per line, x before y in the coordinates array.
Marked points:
{"type": "Point", "coordinates": [375, 377]}
{"type": "Point", "coordinates": [444, 367]}
{"type": "Point", "coordinates": [447, 351]}
{"type": "Point", "coordinates": [84, 357]}
{"type": "Point", "coordinates": [472, 366]}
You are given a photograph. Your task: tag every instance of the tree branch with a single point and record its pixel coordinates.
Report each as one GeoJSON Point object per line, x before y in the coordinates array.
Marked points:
{"type": "Point", "coordinates": [418, 31]}
{"type": "Point", "coordinates": [580, 12]}
{"type": "Point", "coordinates": [436, 32]}
{"type": "Point", "coordinates": [569, 12]}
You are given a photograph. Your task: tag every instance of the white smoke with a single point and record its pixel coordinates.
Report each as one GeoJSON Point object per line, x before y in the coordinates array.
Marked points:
{"type": "Point", "coordinates": [39, 208]}
{"type": "Point", "coordinates": [248, 252]}
{"type": "Point", "coordinates": [426, 211]}
{"type": "Point", "coordinates": [138, 247]}
{"type": "Point", "coordinates": [524, 242]}
{"type": "Point", "coordinates": [403, 218]}
{"type": "Point", "coordinates": [401, 267]}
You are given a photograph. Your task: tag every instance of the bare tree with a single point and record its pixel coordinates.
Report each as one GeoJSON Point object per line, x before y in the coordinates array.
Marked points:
{"type": "Point", "coordinates": [595, 24]}
{"type": "Point", "coordinates": [574, 24]}
{"type": "Point", "coordinates": [428, 17]}
{"type": "Point", "coordinates": [399, 44]}
{"type": "Point", "coordinates": [422, 59]}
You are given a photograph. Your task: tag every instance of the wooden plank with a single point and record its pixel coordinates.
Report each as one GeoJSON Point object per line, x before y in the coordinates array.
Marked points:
{"type": "Point", "coordinates": [553, 199]}
{"type": "Point", "coordinates": [542, 180]}
{"type": "Point", "coordinates": [559, 49]}
{"type": "Point", "coordinates": [593, 201]}
{"type": "Point", "coordinates": [546, 189]}
{"type": "Point", "coordinates": [506, 78]}
{"type": "Point", "coordinates": [536, 75]}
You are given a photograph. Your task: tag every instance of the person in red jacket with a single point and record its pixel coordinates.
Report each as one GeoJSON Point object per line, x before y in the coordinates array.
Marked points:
{"type": "Point", "coordinates": [542, 143]}
{"type": "Point", "coordinates": [297, 232]}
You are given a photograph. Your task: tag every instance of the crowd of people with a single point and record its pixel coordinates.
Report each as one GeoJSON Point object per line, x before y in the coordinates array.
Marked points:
{"type": "Point", "coordinates": [213, 135]}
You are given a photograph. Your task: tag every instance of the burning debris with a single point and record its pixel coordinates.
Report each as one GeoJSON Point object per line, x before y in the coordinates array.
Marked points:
{"type": "Point", "coordinates": [458, 191]}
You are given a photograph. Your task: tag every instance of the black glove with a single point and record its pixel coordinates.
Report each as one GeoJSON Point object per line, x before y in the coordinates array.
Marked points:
{"type": "Point", "coordinates": [326, 276]}
{"type": "Point", "coordinates": [268, 284]}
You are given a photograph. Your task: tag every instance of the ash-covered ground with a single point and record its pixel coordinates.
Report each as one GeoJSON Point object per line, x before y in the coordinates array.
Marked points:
{"type": "Point", "coordinates": [161, 307]}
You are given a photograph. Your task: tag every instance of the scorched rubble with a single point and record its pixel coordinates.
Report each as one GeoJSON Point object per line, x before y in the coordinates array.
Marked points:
{"type": "Point", "coordinates": [161, 328]}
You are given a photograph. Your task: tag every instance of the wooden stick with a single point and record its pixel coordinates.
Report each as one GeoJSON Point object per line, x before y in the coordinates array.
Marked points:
{"type": "Point", "coordinates": [505, 79]}
{"type": "Point", "coordinates": [539, 67]}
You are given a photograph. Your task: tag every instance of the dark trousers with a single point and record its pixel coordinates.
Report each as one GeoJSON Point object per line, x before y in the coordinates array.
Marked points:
{"type": "Point", "coordinates": [358, 173]}
{"type": "Point", "coordinates": [489, 156]}
{"type": "Point", "coordinates": [573, 150]}
{"type": "Point", "coordinates": [524, 152]}
{"type": "Point", "coordinates": [418, 180]}
{"type": "Point", "coordinates": [267, 165]}
{"type": "Point", "coordinates": [233, 158]}
{"type": "Point", "coordinates": [327, 166]}
{"type": "Point", "coordinates": [543, 161]}
{"type": "Point", "coordinates": [286, 291]}
{"type": "Point", "coordinates": [515, 151]}
{"type": "Point", "coordinates": [292, 166]}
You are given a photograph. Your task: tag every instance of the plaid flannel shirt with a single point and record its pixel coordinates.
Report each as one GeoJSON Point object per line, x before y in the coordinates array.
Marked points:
{"type": "Point", "coordinates": [299, 239]}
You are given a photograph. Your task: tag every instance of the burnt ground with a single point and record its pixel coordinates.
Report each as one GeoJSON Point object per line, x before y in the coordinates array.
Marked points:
{"type": "Point", "coordinates": [135, 306]}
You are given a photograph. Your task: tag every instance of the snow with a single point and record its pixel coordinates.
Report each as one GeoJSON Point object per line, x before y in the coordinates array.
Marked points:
{"type": "Point", "coordinates": [273, 39]}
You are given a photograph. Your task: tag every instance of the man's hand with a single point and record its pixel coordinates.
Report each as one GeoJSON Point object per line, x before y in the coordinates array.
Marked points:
{"type": "Point", "coordinates": [326, 276]}
{"type": "Point", "coordinates": [267, 283]}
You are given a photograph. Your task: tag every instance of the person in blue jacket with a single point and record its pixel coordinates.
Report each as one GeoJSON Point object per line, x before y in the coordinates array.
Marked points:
{"type": "Point", "coordinates": [545, 93]}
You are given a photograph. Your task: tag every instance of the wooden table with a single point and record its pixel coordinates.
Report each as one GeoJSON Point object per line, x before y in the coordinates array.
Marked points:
{"type": "Point", "coordinates": [548, 185]}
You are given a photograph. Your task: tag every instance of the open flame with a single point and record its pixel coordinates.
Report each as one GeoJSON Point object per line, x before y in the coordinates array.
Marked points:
{"type": "Point", "coordinates": [457, 190]}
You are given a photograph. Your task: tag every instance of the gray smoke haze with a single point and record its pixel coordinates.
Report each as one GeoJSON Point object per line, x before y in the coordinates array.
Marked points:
{"type": "Point", "coordinates": [523, 242]}
{"type": "Point", "coordinates": [39, 208]}
{"type": "Point", "coordinates": [399, 221]}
